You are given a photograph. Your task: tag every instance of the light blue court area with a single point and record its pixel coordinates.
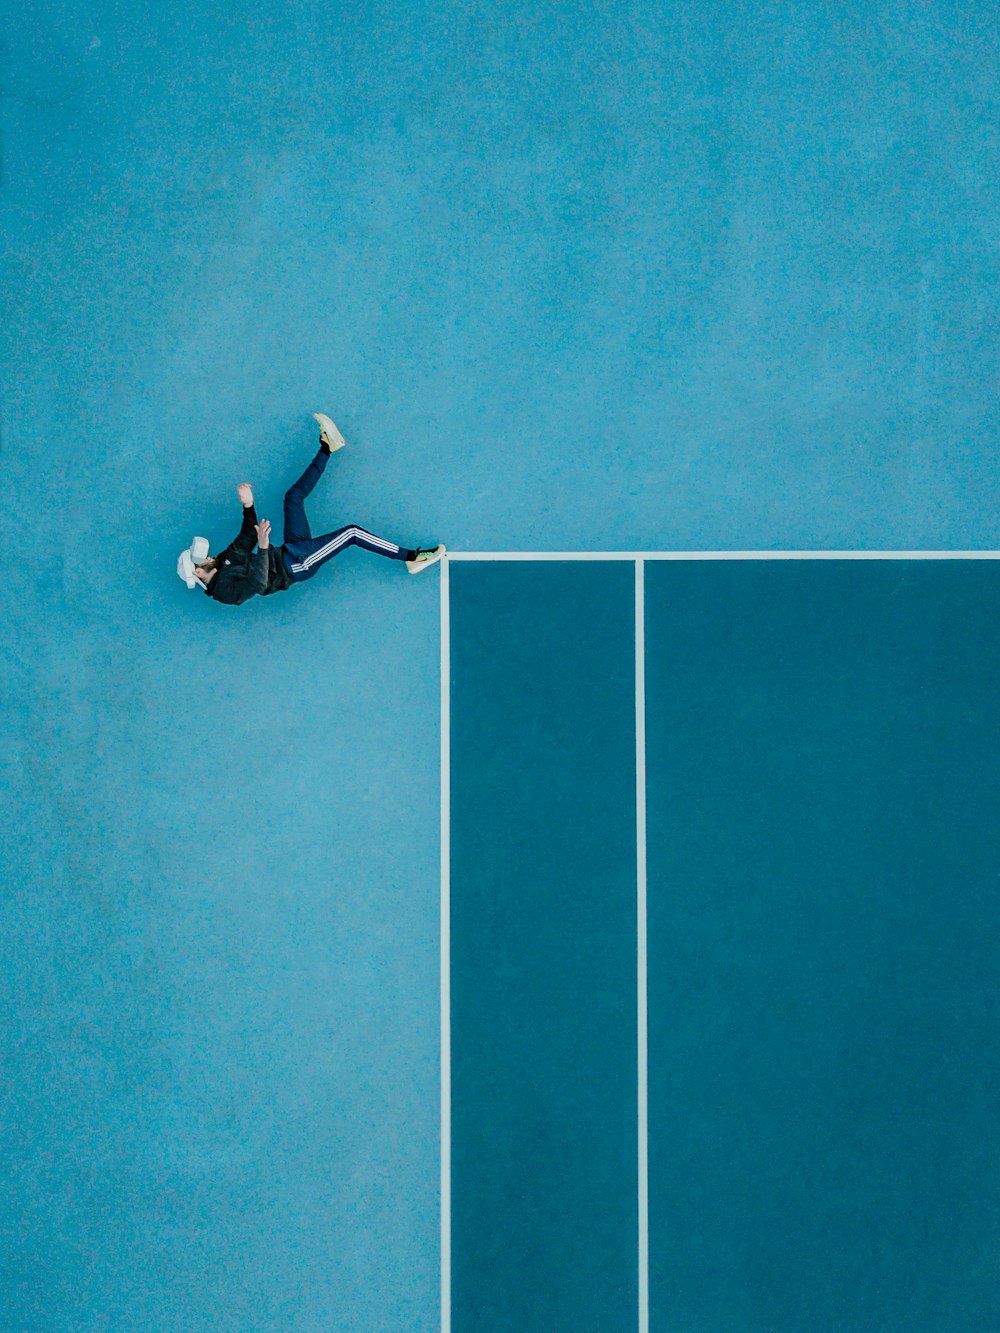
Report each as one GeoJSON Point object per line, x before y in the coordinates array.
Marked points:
{"type": "Point", "coordinates": [687, 277]}
{"type": "Point", "coordinates": [726, 1061]}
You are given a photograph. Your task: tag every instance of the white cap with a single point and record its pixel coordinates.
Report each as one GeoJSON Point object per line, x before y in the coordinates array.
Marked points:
{"type": "Point", "coordinates": [196, 554]}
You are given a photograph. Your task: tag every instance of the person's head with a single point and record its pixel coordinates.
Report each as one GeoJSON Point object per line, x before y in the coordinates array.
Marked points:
{"type": "Point", "coordinates": [191, 562]}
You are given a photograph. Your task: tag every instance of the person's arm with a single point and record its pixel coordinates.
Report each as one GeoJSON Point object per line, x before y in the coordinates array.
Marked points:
{"type": "Point", "coordinates": [257, 573]}
{"type": "Point", "coordinates": [247, 538]}
{"type": "Point", "coordinates": [228, 586]}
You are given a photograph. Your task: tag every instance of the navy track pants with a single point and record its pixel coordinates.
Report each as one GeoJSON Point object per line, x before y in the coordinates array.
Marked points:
{"type": "Point", "coordinates": [302, 552]}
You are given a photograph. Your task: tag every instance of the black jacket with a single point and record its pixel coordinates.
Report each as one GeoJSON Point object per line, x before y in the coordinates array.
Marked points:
{"type": "Point", "coordinates": [242, 573]}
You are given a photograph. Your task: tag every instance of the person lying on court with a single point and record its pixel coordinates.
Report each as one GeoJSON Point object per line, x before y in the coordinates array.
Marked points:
{"type": "Point", "coordinates": [238, 573]}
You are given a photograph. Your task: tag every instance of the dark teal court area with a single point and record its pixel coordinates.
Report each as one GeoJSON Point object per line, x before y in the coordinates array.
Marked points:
{"type": "Point", "coordinates": [543, 946]}
{"type": "Point", "coordinates": [823, 925]}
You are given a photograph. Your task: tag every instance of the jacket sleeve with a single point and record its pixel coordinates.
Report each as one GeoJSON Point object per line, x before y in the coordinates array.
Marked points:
{"type": "Point", "coordinates": [257, 573]}
{"type": "Point", "coordinates": [247, 538]}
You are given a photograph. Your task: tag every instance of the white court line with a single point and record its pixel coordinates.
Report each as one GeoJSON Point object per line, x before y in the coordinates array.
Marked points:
{"type": "Point", "coordinates": [723, 555]}
{"type": "Point", "coordinates": [445, 952]}
{"type": "Point", "coordinates": [641, 966]}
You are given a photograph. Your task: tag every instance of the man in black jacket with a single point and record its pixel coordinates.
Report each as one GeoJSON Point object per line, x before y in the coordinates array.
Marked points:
{"type": "Point", "coordinates": [239, 573]}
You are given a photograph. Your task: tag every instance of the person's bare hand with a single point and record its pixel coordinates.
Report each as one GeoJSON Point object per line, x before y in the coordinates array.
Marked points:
{"type": "Point", "coordinates": [246, 494]}
{"type": "Point", "coordinates": [264, 534]}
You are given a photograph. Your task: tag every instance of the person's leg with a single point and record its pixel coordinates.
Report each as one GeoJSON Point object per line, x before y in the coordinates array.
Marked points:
{"type": "Point", "coordinates": [305, 557]}
{"type": "Point", "coordinates": [296, 524]}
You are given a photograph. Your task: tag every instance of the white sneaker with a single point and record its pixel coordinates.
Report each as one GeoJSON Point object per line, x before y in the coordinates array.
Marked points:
{"type": "Point", "coordinates": [425, 559]}
{"type": "Point", "coordinates": [328, 432]}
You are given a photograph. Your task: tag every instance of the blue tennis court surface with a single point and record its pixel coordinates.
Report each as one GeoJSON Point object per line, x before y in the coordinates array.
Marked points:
{"type": "Point", "coordinates": [628, 277]}
{"type": "Point", "coordinates": [821, 892]}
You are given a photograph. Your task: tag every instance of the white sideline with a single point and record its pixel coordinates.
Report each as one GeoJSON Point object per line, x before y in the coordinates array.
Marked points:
{"type": "Point", "coordinates": [445, 952]}
{"type": "Point", "coordinates": [641, 964]}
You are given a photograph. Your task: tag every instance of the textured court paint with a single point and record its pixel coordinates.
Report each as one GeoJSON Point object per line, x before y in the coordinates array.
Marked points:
{"type": "Point", "coordinates": [634, 276]}
{"type": "Point", "coordinates": [823, 956]}
{"type": "Point", "coordinates": [544, 1222]}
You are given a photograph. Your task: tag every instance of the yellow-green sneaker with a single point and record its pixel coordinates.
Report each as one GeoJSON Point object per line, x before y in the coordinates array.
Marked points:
{"type": "Point", "coordinates": [328, 432]}
{"type": "Point", "coordinates": [424, 559]}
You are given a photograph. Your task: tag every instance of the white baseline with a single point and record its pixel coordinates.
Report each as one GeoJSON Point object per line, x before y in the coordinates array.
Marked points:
{"type": "Point", "coordinates": [723, 555]}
